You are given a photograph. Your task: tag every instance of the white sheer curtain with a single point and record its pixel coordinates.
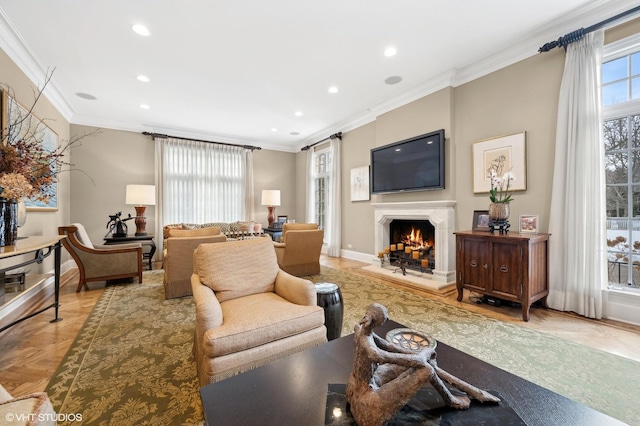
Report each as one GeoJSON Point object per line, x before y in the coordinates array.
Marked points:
{"type": "Point", "coordinates": [333, 234]}
{"type": "Point", "coordinates": [577, 261]}
{"type": "Point", "coordinates": [200, 182]}
{"type": "Point", "coordinates": [311, 212]}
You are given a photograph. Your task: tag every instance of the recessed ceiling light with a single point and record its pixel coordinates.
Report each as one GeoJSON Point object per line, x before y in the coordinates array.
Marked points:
{"type": "Point", "coordinates": [273, 129]}
{"type": "Point", "coordinates": [86, 96]}
{"type": "Point", "coordinates": [333, 89]}
{"type": "Point", "coordinates": [390, 51]}
{"type": "Point", "coordinates": [298, 114]}
{"type": "Point", "coordinates": [395, 79]}
{"type": "Point", "coordinates": [294, 133]}
{"type": "Point", "coordinates": [143, 78]}
{"type": "Point", "coordinates": [141, 30]}
{"type": "Point", "coordinates": [144, 106]}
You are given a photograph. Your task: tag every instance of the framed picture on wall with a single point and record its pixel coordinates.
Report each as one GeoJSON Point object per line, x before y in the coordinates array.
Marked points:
{"type": "Point", "coordinates": [480, 220]}
{"type": "Point", "coordinates": [500, 155]}
{"type": "Point", "coordinates": [360, 183]}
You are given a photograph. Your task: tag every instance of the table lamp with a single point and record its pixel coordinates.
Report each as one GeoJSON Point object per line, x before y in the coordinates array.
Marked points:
{"type": "Point", "coordinates": [271, 198]}
{"type": "Point", "coordinates": [141, 196]}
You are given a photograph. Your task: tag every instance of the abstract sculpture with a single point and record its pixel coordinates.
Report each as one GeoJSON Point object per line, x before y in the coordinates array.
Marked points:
{"type": "Point", "coordinates": [385, 376]}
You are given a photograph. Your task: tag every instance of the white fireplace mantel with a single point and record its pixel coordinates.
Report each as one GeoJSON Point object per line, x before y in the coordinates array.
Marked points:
{"type": "Point", "coordinates": [441, 214]}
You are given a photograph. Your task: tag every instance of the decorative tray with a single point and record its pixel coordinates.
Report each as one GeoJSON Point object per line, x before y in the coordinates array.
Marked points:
{"type": "Point", "coordinates": [412, 340]}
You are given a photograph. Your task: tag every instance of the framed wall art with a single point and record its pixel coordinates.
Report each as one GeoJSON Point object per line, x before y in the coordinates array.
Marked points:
{"type": "Point", "coordinates": [480, 220]}
{"type": "Point", "coordinates": [529, 224]}
{"type": "Point", "coordinates": [502, 154]}
{"type": "Point", "coordinates": [360, 183]}
{"type": "Point", "coordinates": [19, 123]}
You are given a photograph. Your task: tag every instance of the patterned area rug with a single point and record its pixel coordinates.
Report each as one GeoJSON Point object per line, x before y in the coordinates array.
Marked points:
{"type": "Point", "coordinates": [131, 364]}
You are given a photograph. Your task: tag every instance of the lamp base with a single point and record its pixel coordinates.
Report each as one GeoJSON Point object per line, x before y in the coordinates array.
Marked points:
{"type": "Point", "coordinates": [271, 217]}
{"type": "Point", "coordinates": [141, 221]}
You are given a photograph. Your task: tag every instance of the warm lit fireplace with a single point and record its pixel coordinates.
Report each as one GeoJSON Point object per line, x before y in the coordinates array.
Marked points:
{"type": "Point", "coordinates": [438, 234]}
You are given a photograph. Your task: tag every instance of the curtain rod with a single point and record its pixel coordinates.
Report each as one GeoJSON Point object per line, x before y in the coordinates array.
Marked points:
{"type": "Point", "coordinates": [335, 135]}
{"type": "Point", "coordinates": [162, 136]}
{"type": "Point", "coordinates": [577, 35]}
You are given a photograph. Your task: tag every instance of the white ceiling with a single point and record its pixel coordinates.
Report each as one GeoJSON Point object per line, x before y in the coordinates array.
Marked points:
{"type": "Point", "coordinates": [231, 71]}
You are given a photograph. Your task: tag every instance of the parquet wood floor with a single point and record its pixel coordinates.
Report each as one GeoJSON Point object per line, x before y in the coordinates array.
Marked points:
{"type": "Point", "coordinates": [31, 351]}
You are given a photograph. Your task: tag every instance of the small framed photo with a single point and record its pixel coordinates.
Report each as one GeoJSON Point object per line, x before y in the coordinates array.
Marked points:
{"type": "Point", "coordinates": [480, 220]}
{"type": "Point", "coordinates": [529, 224]}
{"type": "Point", "coordinates": [282, 219]}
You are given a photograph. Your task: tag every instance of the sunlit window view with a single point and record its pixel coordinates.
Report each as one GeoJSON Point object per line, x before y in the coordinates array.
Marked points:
{"type": "Point", "coordinates": [621, 129]}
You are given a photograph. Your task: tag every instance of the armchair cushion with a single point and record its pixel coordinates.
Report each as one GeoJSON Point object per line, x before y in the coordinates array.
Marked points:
{"type": "Point", "coordinates": [300, 254]}
{"type": "Point", "coordinates": [239, 270]}
{"type": "Point", "coordinates": [296, 227]}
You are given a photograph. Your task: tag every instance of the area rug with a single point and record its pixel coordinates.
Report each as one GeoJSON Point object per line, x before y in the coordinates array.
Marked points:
{"type": "Point", "coordinates": [131, 363]}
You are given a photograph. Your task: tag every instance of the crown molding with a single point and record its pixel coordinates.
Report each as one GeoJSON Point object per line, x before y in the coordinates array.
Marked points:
{"type": "Point", "coordinates": [17, 49]}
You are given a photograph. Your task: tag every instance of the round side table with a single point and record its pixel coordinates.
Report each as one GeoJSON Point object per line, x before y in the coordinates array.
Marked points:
{"type": "Point", "coordinates": [330, 299]}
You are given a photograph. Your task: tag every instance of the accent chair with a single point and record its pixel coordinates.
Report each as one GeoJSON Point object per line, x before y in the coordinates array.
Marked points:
{"type": "Point", "coordinates": [299, 251]}
{"type": "Point", "coordinates": [99, 262]}
{"type": "Point", "coordinates": [249, 312]}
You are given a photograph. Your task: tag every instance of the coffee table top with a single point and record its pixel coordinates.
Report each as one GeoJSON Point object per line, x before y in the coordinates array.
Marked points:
{"type": "Point", "coordinates": [293, 390]}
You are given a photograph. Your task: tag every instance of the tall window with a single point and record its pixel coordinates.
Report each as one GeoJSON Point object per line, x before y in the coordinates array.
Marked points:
{"type": "Point", "coordinates": [203, 182]}
{"type": "Point", "coordinates": [621, 129]}
{"type": "Point", "coordinates": [321, 168]}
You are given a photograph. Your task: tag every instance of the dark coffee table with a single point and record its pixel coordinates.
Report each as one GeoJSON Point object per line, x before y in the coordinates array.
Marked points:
{"type": "Point", "coordinates": [293, 390]}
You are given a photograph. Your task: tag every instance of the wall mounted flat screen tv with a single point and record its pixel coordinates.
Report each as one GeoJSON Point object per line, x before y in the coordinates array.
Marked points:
{"type": "Point", "coordinates": [414, 164]}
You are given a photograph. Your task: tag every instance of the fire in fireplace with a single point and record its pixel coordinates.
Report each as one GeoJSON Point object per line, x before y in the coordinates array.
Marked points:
{"type": "Point", "coordinates": [419, 234]}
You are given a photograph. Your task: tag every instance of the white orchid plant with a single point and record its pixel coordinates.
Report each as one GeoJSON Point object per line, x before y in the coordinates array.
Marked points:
{"type": "Point", "coordinates": [499, 192]}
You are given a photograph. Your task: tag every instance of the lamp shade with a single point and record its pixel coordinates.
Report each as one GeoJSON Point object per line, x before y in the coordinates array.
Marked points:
{"type": "Point", "coordinates": [141, 195]}
{"type": "Point", "coordinates": [270, 197]}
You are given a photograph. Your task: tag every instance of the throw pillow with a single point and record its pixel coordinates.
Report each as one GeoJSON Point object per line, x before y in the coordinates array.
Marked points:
{"type": "Point", "coordinates": [167, 229]}
{"type": "Point", "coordinates": [201, 232]}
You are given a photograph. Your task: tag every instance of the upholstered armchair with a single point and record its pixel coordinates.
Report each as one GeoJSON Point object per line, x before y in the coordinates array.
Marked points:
{"type": "Point", "coordinates": [299, 251]}
{"type": "Point", "coordinates": [101, 263]}
{"type": "Point", "coordinates": [34, 409]}
{"type": "Point", "coordinates": [177, 257]}
{"type": "Point", "coordinates": [248, 311]}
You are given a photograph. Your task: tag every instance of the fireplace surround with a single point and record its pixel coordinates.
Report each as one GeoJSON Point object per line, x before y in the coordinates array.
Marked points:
{"type": "Point", "coordinates": [441, 214]}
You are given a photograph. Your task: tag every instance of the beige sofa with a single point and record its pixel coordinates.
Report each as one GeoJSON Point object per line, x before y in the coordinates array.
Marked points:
{"type": "Point", "coordinates": [299, 251]}
{"type": "Point", "coordinates": [177, 257]}
{"type": "Point", "coordinates": [248, 311]}
{"type": "Point", "coordinates": [232, 230]}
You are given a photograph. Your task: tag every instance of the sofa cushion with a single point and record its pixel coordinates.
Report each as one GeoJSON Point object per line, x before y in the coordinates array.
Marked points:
{"type": "Point", "coordinates": [237, 268]}
{"type": "Point", "coordinates": [166, 230]}
{"type": "Point", "coordinates": [200, 232]}
{"type": "Point", "coordinates": [259, 319]}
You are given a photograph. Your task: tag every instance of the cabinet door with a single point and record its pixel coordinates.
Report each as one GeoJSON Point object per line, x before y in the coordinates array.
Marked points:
{"type": "Point", "coordinates": [506, 268]}
{"type": "Point", "coordinates": [474, 263]}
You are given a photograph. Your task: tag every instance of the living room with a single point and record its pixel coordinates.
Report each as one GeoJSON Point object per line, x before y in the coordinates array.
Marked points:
{"type": "Point", "coordinates": [519, 97]}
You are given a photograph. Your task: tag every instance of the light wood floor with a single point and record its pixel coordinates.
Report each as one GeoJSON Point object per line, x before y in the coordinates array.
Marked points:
{"type": "Point", "coordinates": [31, 351]}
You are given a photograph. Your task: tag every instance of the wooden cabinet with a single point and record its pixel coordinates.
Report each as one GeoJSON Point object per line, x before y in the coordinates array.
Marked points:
{"type": "Point", "coordinates": [508, 266]}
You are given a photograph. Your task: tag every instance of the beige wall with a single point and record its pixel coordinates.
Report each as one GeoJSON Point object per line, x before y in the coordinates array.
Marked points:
{"type": "Point", "coordinates": [39, 222]}
{"type": "Point", "coordinates": [114, 158]}
{"type": "Point", "coordinates": [521, 97]}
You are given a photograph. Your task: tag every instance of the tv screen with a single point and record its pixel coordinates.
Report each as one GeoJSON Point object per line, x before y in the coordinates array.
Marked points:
{"type": "Point", "coordinates": [415, 164]}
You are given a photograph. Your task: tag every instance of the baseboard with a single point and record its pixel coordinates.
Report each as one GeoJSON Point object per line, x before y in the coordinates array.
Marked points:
{"type": "Point", "coordinates": [623, 306]}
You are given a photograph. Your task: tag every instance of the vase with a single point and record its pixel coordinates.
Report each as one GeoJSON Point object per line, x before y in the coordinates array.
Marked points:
{"type": "Point", "coordinates": [499, 211]}
{"type": "Point", "coordinates": [22, 213]}
{"type": "Point", "coordinates": [8, 222]}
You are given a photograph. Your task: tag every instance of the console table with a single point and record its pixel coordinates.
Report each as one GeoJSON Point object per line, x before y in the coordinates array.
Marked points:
{"type": "Point", "coordinates": [42, 247]}
{"type": "Point", "coordinates": [145, 240]}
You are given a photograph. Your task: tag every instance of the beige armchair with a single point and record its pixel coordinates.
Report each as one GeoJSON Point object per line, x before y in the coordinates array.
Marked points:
{"type": "Point", "coordinates": [100, 263]}
{"type": "Point", "coordinates": [177, 258]}
{"type": "Point", "coordinates": [299, 251]}
{"type": "Point", "coordinates": [248, 311]}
